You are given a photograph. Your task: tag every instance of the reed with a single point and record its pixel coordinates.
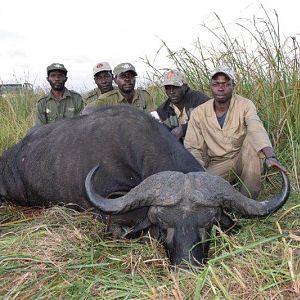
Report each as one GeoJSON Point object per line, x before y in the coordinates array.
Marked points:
{"type": "Point", "coordinates": [16, 117]}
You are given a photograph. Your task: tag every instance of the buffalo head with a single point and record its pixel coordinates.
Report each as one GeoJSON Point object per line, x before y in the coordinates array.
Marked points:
{"type": "Point", "coordinates": [184, 207]}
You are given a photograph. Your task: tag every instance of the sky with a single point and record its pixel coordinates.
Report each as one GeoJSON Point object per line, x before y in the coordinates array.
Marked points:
{"type": "Point", "coordinates": [79, 34]}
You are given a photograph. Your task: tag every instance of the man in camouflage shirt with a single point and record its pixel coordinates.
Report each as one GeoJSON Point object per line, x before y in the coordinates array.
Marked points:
{"type": "Point", "coordinates": [125, 78]}
{"type": "Point", "coordinates": [103, 77]}
{"type": "Point", "coordinates": [60, 102]}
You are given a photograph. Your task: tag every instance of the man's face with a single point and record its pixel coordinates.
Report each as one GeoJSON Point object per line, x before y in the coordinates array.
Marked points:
{"type": "Point", "coordinates": [175, 93]}
{"type": "Point", "coordinates": [125, 81]}
{"type": "Point", "coordinates": [104, 81]}
{"type": "Point", "coordinates": [57, 80]}
{"type": "Point", "coordinates": [222, 88]}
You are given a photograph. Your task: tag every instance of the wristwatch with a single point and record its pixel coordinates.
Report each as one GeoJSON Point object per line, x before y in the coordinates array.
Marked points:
{"type": "Point", "coordinates": [273, 156]}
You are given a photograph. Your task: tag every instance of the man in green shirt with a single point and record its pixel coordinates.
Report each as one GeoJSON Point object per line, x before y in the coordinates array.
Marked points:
{"type": "Point", "coordinates": [125, 78]}
{"type": "Point", "coordinates": [103, 77]}
{"type": "Point", "coordinates": [60, 102]}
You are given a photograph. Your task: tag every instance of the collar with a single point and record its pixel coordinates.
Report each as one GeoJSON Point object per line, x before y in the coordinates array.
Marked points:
{"type": "Point", "coordinates": [121, 98]}
{"type": "Point", "coordinates": [211, 111]}
{"type": "Point", "coordinates": [66, 94]}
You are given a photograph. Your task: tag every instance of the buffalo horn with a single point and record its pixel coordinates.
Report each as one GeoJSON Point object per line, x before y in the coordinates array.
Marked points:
{"type": "Point", "coordinates": [150, 192]}
{"type": "Point", "coordinates": [226, 196]}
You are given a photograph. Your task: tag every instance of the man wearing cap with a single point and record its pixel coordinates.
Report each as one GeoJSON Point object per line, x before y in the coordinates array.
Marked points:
{"type": "Point", "coordinates": [60, 102]}
{"type": "Point", "coordinates": [175, 111]}
{"type": "Point", "coordinates": [227, 137]}
{"type": "Point", "coordinates": [103, 78]}
{"type": "Point", "coordinates": [125, 78]}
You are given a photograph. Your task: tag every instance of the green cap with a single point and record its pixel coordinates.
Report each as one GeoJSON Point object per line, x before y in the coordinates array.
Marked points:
{"type": "Point", "coordinates": [56, 66]}
{"type": "Point", "coordinates": [124, 67]}
{"type": "Point", "coordinates": [174, 77]}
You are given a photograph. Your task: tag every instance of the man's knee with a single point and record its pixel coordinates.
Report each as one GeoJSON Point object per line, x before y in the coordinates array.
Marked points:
{"type": "Point", "coordinates": [224, 169]}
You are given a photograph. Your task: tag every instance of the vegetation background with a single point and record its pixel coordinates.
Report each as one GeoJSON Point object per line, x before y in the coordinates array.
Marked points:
{"type": "Point", "coordinates": [58, 253]}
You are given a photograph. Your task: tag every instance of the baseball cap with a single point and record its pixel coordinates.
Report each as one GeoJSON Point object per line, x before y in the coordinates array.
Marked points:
{"type": "Point", "coordinates": [124, 67]}
{"type": "Point", "coordinates": [223, 69]}
{"type": "Point", "coordinates": [56, 66]}
{"type": "Point", "coordinates": [102, 66]}
{"type": "Point", "coordinates": [173, 77]}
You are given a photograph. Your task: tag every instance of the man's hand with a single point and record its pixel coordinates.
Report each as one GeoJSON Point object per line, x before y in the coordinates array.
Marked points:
{"type": "Point", "coordinates": [178, 132]}
{"type": "Point", "coordinates": [273, 162]}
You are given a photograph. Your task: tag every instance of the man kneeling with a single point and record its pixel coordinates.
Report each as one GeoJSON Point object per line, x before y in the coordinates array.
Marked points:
{"type": "Point", "coordinates": [228, 138]}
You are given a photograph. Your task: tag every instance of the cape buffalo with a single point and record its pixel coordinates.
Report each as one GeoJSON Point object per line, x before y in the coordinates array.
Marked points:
{"type": "Point", "coordinates": [164, 186]}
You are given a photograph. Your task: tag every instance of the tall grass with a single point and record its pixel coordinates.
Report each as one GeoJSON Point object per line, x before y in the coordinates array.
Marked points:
{"type": "Point", "coordinates": [267, 71]}
{"type": "Point", "coordinates": [17, 112]}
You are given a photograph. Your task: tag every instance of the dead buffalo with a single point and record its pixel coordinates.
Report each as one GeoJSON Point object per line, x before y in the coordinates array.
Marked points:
{"type": "Point", "coordinates": [50, 166]}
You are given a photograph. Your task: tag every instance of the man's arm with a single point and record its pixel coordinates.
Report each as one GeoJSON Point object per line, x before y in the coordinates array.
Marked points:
{"type": "Point", "coordinates": [259, 138]}
{"type": "Point", "coordinates": [149, 101]}
{"type": "Point", "coordinates": [256, 131]}
{"type": "Point", "coordinates": [40, 117]}
{"type": "Point", "coordinates": [194, 141]}
{"type": "Point", "coordinates": [192, 99]}
{"type": "Point", "coordinates": [79, 104]}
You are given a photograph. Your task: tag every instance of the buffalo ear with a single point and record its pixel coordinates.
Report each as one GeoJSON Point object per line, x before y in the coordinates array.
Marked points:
{"type": "Point", "coordinates": [137, 229]}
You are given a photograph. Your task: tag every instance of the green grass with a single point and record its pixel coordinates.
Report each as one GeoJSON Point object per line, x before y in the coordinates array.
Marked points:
{"type": "Point", "coordinates": [17, 113]}
{"type": "Point", "coordinates": [58, 253]}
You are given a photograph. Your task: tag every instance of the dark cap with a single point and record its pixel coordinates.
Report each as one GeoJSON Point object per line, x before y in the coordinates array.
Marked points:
{"type": "Point", "coordinates": [56, 66]}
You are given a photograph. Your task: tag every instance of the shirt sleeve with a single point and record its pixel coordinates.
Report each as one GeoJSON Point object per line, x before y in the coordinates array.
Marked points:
{"type": "Point", "coordinates": [79, 105]}
{"type": "Point", "coordinates": [256, 132]}
{"type": "Point", "coordinates": [194, 141]}
{"type": "Point", "coordinates": [149, 101]}
{"type": "Point", "coordinates": [40, 117]}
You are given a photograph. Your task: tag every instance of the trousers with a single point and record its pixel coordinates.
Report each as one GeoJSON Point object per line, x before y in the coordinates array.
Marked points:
{"type": "Point", "coordinates": [247, 165]}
